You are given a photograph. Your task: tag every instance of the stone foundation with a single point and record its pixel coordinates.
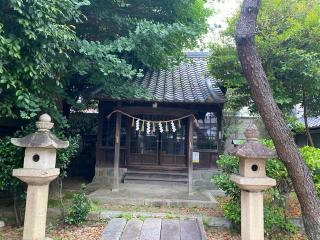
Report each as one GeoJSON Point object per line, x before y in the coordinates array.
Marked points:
{"type": "Point", "coordinates": [202, 179]}
{"type": "Point", "coordinates": [104, 175]}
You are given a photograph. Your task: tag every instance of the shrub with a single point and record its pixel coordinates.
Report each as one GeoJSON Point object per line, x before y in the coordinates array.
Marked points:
{"type": "Point", "coordinates": [11, 157]}
{"type": "Point", "coordinates": [311, 156]}
{"type": "Point", "coordinates": [274, 212]}
{"type": "Point", "coordinates": [277, 225]}
{"type": "Point", "coordinates": [79, 209]}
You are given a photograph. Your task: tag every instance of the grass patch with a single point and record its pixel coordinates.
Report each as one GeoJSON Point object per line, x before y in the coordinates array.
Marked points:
{"type": "Point", "coordinates": [127, 216]}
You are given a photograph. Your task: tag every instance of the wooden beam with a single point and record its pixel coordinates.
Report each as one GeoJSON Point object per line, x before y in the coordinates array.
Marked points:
{"type": "Point", "coordinates": [116, 153]}
{"type": "Point", "coordinates": [190, 153]}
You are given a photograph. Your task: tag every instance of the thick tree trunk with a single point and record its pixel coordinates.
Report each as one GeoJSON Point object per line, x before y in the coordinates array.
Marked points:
{"type": "Point", "coordinates": [305, 117]}
{"type": "Point", "coordinates": [273, 118]}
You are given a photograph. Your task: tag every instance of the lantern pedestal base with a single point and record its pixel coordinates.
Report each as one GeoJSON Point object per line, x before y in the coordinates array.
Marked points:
{"type": "Point", "coordinates": [37, 200]}
{"type": "Point", "coordinates": [252, 226]}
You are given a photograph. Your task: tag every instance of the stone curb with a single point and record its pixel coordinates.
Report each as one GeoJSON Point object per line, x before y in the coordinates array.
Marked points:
{"type": "Point", "coordinates": [209, 221]}
{"type": "Point", "coordinates": [215, 222]}
{"type": "Point", "coordinates": [159, 202]}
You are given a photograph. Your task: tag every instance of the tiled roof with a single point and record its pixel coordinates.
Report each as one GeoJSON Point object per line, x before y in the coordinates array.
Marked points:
{"type": "Point", "coordinates": [313, 122]}
{"type": "Point", "coordinates": [187, 82]}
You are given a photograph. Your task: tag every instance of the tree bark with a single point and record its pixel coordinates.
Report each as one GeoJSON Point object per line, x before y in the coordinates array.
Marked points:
{"type": "Point", "coordinates": [273, 118]}
{"type": "Point", "coordinates": [305, 117]}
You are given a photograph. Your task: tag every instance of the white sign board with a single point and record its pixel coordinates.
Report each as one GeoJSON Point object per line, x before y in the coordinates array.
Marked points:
{"type": "Point", "coordinates": [195, 157]}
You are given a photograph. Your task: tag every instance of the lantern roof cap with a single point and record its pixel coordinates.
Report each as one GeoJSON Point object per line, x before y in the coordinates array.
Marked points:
{"type": "Point", "coordinates": [42, 138]}
{"type": "Point", "coordinates": [252, 148]}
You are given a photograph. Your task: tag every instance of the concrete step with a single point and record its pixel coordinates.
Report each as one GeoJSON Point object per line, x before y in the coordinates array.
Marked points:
{"type": "Point", "coordinates": [163, 173]}
{"type": "Point", "coordinates": [154, 176]}
{"type": "Point", "coordinates": [140, 176]}
{"type": "Point", "coordinates": [157, 168]}
{"type": "Point", "coordinates": [153, 180]}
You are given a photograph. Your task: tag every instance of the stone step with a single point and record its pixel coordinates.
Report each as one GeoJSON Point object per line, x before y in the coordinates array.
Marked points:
{"type": "Point", "coordinates": [162, 173]}
{"type": "Point", "coordinates": [157, 168]}
{"type": "Point", "coordinates": [155, 178]}
{"type": "Point", "coordinates": [136, 176]}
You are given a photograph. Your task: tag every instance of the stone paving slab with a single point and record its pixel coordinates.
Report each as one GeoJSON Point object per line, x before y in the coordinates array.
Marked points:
{"type": "Point", "coordinates": [132, 230]}
{"type": "Point", "coordinates": [154, 229]}
{"type": "Point", "coordinates": [170, 230]}
{"type": "Point", "coordinates": [114, 229]}
{"type": "Point", "coordinates": [189, 230]}
{"type": "Point", "coordinates": [151, 229]}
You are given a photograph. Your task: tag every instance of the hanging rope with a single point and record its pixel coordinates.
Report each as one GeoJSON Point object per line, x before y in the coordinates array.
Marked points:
{"type": "Point", "coordinates": [147, 120]}
{"type": "Point", "coordinates": [161, 124]}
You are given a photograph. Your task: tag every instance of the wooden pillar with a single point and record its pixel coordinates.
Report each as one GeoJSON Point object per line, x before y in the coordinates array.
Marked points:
{"type": "Point", "coordinates": [190, 153]}
{"type": "Point", "coordinates": [99, 153]}
{"type": "Point", "coordinates": [219, 131]}
{"type": "Point", "coordinates": [116, 154]}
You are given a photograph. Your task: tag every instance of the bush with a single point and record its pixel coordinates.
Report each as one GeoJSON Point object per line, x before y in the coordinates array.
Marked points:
{"type": "Point", "coordinates": [275, 219]}
{"type": "Point", "coordinates": [311, 156]}
{"type": "Point", "coordinates": [277, 225]}
{"type": "Point", "coordinates": [79, 209]}
{"type": "Point", "coordinates": [11, 157]}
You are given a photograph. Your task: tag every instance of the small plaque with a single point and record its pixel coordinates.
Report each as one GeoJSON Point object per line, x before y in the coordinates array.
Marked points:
{"type": "Point", "coordinates": [195, 157]}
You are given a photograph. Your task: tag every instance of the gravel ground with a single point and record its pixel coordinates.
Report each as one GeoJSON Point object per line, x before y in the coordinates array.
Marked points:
{"type": "Point", "coordinates": [221, 234]}
{"type": "Point", "coordinates": [84, 232]}
{"type": "Point", "coordinates": [93, 232]}
{"type": "Point", "coordinates": [213, 212]}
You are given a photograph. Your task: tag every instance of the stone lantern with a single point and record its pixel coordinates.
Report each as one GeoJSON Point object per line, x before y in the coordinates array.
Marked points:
{"type": "Point", "coordinates": [252, 181]}
{"type": "Point", "coordinates": [38, 171]}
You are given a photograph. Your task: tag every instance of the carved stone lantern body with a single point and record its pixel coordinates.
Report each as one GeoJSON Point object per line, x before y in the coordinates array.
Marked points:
{"type": "Point", "coordinates": [252, 181]}
{"type": "Point", "coordinates": [38, 171]}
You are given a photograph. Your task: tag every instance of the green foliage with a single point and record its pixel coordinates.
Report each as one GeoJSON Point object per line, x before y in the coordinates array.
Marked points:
{"type": "Point", "coordinates": [35, 43]}
{"type": "Point", "coordinates": [277, 226]}
{"type": "Point", "coordinates": [82, 123]}
{"type": "Point", "coordinates": [11, 157]}
{"type": "Point", "coordinates": [275, 219]}
{"type": "Point", "coordinates": [311, 156]}
{"type": "Point", "coordinates": [127, 215]}
{"type": "Point", "coordinates": [63, 53]}
{"type": "Point", "coordinates": [79, 209]}
{"type": "Point", "coordinates": [288, 43]}
{"type": "Point", "coordinates": [232, 211]}
{"type": "Point", "coordinates": [276, 222]}
{"type": "Point", "coordinates": [64, 156]}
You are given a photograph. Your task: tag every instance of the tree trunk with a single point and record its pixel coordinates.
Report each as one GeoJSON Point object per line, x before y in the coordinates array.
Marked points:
{"type": "Point", "coordinates": [305, 117]}
{"type": "Point", "coordinates": [273, 118]}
